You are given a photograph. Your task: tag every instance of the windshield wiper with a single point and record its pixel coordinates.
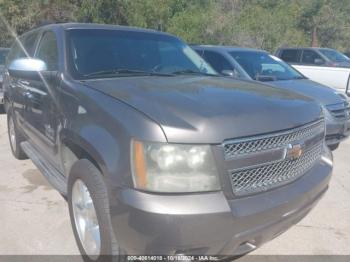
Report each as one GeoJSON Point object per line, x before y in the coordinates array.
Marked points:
{"type": "Point", "coordinates": [124, 72]}
{"type": "Point", "coordinates": [191, 72]}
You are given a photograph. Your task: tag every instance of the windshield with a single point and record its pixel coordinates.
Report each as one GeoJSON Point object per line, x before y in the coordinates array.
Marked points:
{"type": "Point", "coordinates": [3, 54]}
{"type": "Point", "coordinates": [105, 53]}
{"type": "Point", "coordinates": [264, 67]}
{"type": "Point", "coordinates": [334, 55]}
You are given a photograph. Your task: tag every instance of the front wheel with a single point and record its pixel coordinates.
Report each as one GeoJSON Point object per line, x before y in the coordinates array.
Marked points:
{"type": "Point", "coordinates": [15, 138]}
{"type": "Point", "coordinates": [89, 213]}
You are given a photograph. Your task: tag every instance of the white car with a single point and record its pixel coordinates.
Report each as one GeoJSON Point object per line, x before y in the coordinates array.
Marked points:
{"type": "Point", "coordinates": [324, 65]}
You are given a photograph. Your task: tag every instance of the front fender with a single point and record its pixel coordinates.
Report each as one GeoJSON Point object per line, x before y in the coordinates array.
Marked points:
{"type": "Point", "coordinates": [104, 127]}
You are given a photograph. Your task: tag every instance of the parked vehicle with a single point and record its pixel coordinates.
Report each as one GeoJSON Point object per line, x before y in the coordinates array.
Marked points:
{"type": "Point", "coordinates": [313, 56]}
{"type": "Point", "coordinates": [347, 53]}
{"type": "Point", "coordinates": [259, 65]}
{"type": "Point", "coordinates": [156, 153]}
{"type": "Point", "coordinates": [323, 65]}
{"type": "Point", "coordinates": [3, 54]}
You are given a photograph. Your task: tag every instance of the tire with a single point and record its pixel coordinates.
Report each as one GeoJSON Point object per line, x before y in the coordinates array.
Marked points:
{"type": "Point", "coordinates": [2, 109]}
{"type": "Point", "coordinates": [84, 171]}
{"type": "Point", "coordinates": [6, 105]}
{"type": "Point", "coordinates": [333, 147]}
{"type": "Point", "coordinates": [15, 137]}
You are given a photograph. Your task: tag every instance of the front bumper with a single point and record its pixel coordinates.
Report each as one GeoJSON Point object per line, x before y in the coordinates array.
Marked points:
{"type": "Point", "coordinates": [337, 131]}
{"type": "Point", "coordinates": [212, 223]}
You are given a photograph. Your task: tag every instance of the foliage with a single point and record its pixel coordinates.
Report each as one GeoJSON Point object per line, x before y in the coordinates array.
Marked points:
{"type": "Point", "coordinates": [265, 24]}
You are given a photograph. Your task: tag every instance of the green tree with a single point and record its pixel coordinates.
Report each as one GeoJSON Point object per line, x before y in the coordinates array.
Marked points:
{"type": "Point", "coordinates": [326, 22]}
{"type": "Point", "coordinates": [101, 11]}
{"type": "Point", "coordinates": [191, 24]}
{"type": "Point", "coordinates": [265, 24]}
{"type": "Point", "coordinates": [157, 14]}
{"type": "Point", "coordinates": [19, 16]}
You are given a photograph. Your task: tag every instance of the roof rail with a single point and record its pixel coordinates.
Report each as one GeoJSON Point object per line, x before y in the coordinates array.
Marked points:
{"type": "Point", "coordinates": [43, 23]}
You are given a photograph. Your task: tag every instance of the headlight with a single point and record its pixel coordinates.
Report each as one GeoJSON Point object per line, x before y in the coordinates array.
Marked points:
{"type": "Point", "coordinates": [164, 167]}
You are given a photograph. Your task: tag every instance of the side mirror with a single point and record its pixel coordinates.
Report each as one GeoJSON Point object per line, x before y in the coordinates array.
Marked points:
{"type": "Point", "coordinates": [318, 61]}
{"type": "Point", "coordinates": [27, 68]}
{"type": "Point", "coordinates": [230, 73]}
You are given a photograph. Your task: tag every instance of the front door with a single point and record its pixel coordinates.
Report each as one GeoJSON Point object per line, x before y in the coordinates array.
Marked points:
{"type": "Point", "coordinates": [42, 101]}
{"type": "Point", "coordinates": [18, 87]}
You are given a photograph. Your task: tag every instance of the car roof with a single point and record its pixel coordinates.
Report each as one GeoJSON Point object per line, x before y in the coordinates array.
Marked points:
{"type": "Point", "coordinates": [222, 48]}
{"type": "Point", "coordinates": [310, 48]}
{"type": "Point", "coordinates": [68, 26]}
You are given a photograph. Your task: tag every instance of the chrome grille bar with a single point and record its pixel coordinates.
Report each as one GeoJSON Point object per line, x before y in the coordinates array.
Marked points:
{"type": "Point", "coordinates": [340, 111]}
{"type": "Point", "coordinates": [266, 177]}
{"type": "Point", "coordinates": [255, 144]}
{"type": "Point", "coordinates": [256, 164]}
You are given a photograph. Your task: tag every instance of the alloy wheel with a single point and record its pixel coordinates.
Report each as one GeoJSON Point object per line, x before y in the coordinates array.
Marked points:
{"type": "Point", "coordinates": [85, 218]}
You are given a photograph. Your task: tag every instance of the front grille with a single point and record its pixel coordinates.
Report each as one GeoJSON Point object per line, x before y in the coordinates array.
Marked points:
{"type": "Point", "coordinates": [340, 111]}
{"type": "Point", "coordinates": [266, 177]}
{"type": "Point", "coordinates": [257, 176]}
{"type": "Point", "coordinates": [280, 139]}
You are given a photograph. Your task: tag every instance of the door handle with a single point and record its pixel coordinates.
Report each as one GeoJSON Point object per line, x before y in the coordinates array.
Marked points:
{"type": "Point", "coordinates": [24, 82]}
{"type": "Point", "coordinates": [28, 95]}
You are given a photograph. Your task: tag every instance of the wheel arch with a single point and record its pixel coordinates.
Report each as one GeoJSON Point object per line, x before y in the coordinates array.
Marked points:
{"type": "Point", "coordinates": [95, 144]}
{"type": "Point", "coordinates": [72, 151]}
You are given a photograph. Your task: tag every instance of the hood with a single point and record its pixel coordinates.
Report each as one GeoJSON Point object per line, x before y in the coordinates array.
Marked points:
{"type": "Point", "coordinates": [322, 94]}
{"type": "Point", "coordinates": [192, 109]}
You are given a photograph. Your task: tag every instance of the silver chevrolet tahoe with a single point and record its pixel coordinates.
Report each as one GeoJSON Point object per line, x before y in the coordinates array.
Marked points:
{"type": "Point", "coordinates": [155, 152]}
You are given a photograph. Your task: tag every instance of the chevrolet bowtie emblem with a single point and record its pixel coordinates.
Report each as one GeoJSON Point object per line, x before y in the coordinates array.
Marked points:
{"type": "Point", "coordinates": [294, 151]}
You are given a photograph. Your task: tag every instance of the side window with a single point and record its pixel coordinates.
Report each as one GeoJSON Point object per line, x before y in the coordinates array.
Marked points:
{"type": "Point", "coordinates": [47, 51]}
{"type": "Point", "coordinates": [27, 42]}
{"type": "Point", "coordinates": [312, 58]}
{"type": "Point", "coordinates": [217, 61]}
{"type": "Point", "coordinates": [16, 52]}
{"type": "Point", "coordinates": [291, 55]}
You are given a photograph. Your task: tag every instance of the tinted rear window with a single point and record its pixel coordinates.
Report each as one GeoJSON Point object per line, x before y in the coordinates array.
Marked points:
{"type": "Point", "coordinates": [291, 55]}
{"type": "Point", "coordinates": [217, 61]}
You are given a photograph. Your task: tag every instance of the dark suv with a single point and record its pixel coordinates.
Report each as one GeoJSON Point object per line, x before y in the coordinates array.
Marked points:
{"type": "Point", "coordinates": [157, 154]}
